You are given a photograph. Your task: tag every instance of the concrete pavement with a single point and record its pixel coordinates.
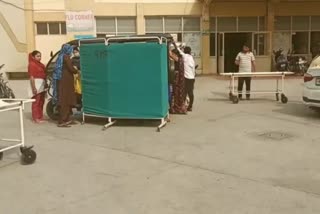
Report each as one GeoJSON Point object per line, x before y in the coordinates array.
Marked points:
{"type": "Point", "coordinates": [258, 156]}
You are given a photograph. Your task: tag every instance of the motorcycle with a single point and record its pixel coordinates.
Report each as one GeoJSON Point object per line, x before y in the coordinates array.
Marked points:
{"type": "Point", "coordinates": [280, 60]}
{"type": "Point", "coordinates": [303, 65]}
{"type": "Point", "coordinates": [297, 64]}
{"type": "Point", "coordinates": [5, 90]}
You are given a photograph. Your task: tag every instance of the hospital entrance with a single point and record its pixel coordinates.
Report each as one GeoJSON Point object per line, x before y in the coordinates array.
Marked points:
{"type": "Point", "coordinates": [230, 44]}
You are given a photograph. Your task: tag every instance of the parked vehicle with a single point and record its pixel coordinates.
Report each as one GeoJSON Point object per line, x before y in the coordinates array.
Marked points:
{"type": "Point", "coordinates": [297, 64]}
{"type": "Point", "coordinates": [311, 90]}
{"type": "Point", "coordinates": [281, 61]}
{"type": "Point", "coordinates": [5, 90]}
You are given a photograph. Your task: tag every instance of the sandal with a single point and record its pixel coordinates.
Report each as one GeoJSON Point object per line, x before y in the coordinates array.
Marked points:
{"type": "Point", "coordinates": [63, 125]}
{"type": "Point", "coordinates": [38, 121]}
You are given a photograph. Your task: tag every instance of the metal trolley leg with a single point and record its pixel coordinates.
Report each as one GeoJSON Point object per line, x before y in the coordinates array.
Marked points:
{"type": "Point", "coordinates": [21, 127]}
{"type": "Point", "coordinates": [110, 123]}
{"type": "Point", "coordinates": [233, 95]}
{"type": "Point", "coordinates": [83, 118]}
{"type": "Point", "coordinates": [284, 98]}
{"type": "Point", "coordinates": [163, 124]}
{"type": "Point", "coordinates": [277, 90]}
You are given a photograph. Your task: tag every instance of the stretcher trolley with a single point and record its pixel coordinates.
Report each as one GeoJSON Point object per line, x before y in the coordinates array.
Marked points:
{"type": "Point", "coordinates": [279, 91]}
{"type": "Point", "coordinates": [28, 155]}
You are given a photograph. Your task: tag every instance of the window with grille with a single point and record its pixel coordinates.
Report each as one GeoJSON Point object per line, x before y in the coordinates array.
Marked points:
{"type": "Point", "coordinates": [172, 24]}
{"type": "Point", "coordinates": [154, 25]}
{"type": "Point", "coordinates": [248, 24]}
{"type": "Point", "coordinates": [226, 24]}
{"type": "Point", "coordinates": [50, 28]}
{"type": "Point", "coordinates": [191, 24]}
{"type": "Point", "coordinates": [282, 23]}
{"type": "Point", "coordinates": [315, 23]}
{"type": "Point", "coordinates": [183, 29]}
{"type": "Point", "coordinates": [300, 23]}
{"type": "Point", "coordinates": [302, 30]}
{"type": "Point", "coordinates": [108, 26]}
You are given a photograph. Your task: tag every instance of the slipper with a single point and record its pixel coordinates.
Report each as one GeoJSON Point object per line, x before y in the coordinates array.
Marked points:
{"type": "Point", "coordinates": [38, 121]}
{"type": "Point", "coordinates": [63, 125]}
{"type": "Point", "coordinates": [71, 122]}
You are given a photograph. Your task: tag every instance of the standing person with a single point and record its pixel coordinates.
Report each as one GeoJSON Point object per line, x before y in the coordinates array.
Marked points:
{"type": "Point", "coordinates": [189, 74]}
{"type": "Point", "coordinates": [178, 102]}
{"type": "Point", "coordinates": [64, 86]}
{"type": "Point", "coordinates": [76, 58]}
{"type": "Point", "coordinates": [77, 81]}
{"type": "Point", "coordinates": [37, 75]}
{"type": "Point", "coordinates": [246, 62]}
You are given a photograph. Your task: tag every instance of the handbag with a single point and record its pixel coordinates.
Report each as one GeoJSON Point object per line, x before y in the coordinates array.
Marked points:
{"type": "Point", "coordinates": [77, 84]}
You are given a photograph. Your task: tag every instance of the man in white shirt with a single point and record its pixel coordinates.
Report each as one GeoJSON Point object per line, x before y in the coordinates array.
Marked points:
{"type": "Point", "coordinates": [246, 62]}
{"type": "Point", "coordinates": [189, 74]}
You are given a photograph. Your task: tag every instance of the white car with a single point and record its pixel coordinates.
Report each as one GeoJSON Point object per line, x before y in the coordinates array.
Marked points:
{"type": "Point", "coordinates": [311, 90]}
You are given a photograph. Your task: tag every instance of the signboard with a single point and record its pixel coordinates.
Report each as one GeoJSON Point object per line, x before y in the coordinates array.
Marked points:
{"type": "Point", "coordinates": [175, 37]}
{"type": "Point", "coordinates": [80, 21]}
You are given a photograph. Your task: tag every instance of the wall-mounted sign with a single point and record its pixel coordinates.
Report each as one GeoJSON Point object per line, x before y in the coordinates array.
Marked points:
{"type": "Point", "coordinates": [80, 21]}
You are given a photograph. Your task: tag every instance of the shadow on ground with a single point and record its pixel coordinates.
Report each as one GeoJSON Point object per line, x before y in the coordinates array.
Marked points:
{"type": "Point", "coordinates": [224, 97]}
{"type": "Point", "coordinates": [123, 122]}
{"type": "Point", "coordinates": [298, 109]}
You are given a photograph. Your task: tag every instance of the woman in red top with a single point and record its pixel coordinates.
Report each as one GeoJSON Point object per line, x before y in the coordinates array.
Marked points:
{"type": "Point", "coordinates": [37, 75]}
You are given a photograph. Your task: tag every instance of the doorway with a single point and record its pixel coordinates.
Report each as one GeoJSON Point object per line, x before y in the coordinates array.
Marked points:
{"type": "Point", "coordinates": [233, 43]}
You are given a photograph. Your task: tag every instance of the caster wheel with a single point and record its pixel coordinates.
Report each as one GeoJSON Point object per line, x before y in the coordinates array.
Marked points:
{"type": "Point", "coordinates": [235, 100]}
{"type": "Point", "coordinates": [29, 156]}
{"type": "Point", "coordinates": [1, 155]}
{"type": "Point", "coordinates": [284, 99]}
{"type": "Point", "coordinates": [277, 96]}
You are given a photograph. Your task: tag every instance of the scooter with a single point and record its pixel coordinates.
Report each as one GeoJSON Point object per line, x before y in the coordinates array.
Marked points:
{"type": "Point", "coordinates": [280, 60]}
{"type": "Point", "coordinates": [5, 90]}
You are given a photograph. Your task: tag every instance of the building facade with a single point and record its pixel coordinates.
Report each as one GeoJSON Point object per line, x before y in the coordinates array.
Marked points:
{"type": "Point", "coordinates": [216, 30]}
{"type": "Point", "coordinates": [13, 43]}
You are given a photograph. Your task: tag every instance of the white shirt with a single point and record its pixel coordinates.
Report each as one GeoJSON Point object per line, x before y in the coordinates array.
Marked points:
{"type": "Point", "coordinates": [189, 65]}
{"type": "Point", "coordinates": [245, 61]}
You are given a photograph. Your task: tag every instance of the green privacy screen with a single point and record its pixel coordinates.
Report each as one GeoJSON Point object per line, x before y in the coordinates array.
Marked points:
{"type": "Point", "coordinates": [125, 80]}
{"type": "Point", "coordinates": [94, 79]}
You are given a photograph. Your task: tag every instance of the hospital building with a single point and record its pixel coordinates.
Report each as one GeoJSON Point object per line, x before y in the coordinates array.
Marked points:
{"type": "Point", "coordinates": [215, 29]}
